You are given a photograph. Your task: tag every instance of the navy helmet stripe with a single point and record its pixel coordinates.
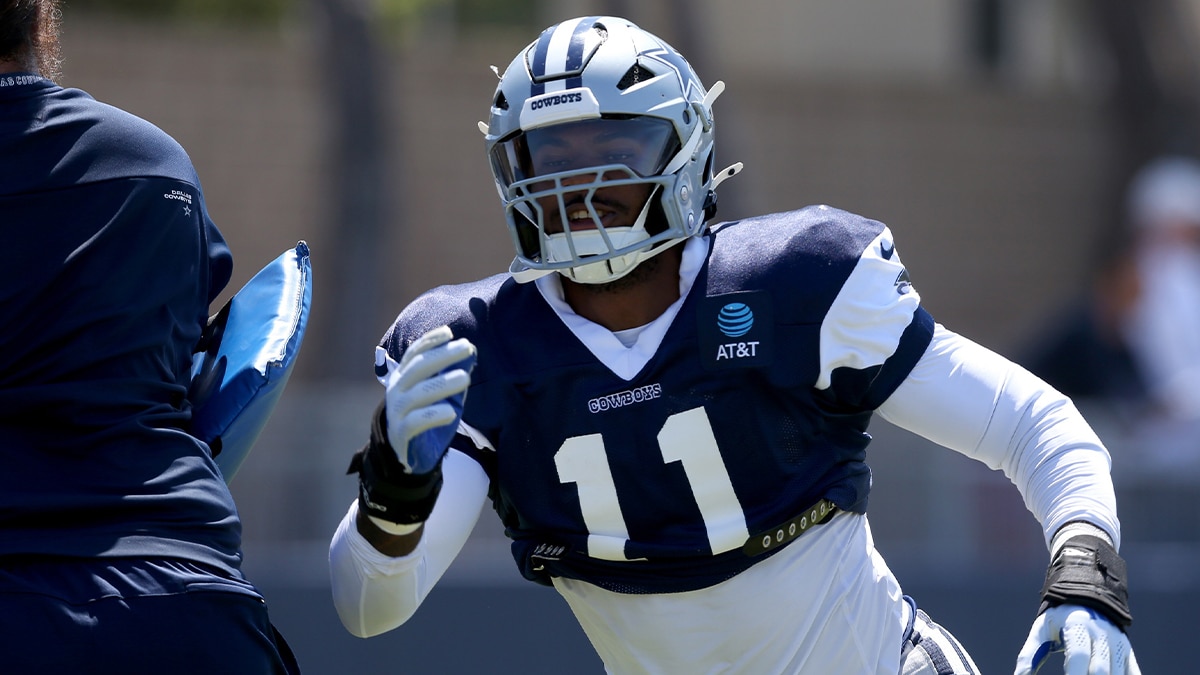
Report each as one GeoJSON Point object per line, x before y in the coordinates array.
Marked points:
{"type": "Point", "coordinates": [575, 51]}
{"type": "Point", "coordinates": [574, 57]}
{"type": "Point", "coordinates": [538, 67]}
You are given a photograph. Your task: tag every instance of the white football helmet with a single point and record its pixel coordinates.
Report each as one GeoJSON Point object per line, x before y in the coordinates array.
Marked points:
{"type": "Point", "coordinates": [597, 103]}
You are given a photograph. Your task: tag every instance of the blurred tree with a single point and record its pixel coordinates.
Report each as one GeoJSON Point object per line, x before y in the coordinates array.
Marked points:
{"type": "Point", "coordinates": [1154, 101]}
{"type": "Point", "coordinates": [390, 13]}
{"type": "Point", "coordinates": [359, 136]}
{"type": "Point", "coordinates": [236, 11]}
{"type": "Point", "coordinates": [493, 12]}
{"type": "Point", "coordinates": [364, 159]}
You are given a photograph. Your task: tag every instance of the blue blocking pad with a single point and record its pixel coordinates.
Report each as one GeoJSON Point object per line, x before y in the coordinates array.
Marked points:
{"type": "Point", "coordinates": [246, 356]}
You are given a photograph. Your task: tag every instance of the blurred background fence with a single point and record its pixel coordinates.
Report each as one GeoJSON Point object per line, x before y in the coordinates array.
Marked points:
{"type": "Point", "coordinates": [993, 136]}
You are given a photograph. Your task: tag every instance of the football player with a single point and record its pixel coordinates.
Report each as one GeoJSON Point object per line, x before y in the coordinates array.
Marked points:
{"type": "Point", "coordinates": [670, 416]}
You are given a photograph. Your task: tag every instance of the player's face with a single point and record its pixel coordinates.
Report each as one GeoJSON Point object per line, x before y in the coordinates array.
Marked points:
{"type": "Point", "coordinates": [629, 148]}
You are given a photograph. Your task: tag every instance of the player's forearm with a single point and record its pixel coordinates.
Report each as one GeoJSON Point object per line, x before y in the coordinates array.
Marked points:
{"type": "Point", "coordinates": [372, 591]}
{"type": "Point", "coordinates": [1039, 439]}
{"type": "Point", "coordinates": [970, 399]}
{"type": "Point", "coordinates": [1089, 497]}
{"type": "Point", "coordinates": [379, 580]}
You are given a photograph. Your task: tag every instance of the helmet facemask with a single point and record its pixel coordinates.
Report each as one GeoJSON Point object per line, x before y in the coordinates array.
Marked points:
{"type": "Point", "coordinates": [596, 222]}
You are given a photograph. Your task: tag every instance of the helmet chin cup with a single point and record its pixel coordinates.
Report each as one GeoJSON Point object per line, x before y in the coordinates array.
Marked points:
{"type": "Point", "coordinates": [601, 71]}
{"type": "Point", "coordinates": [594, 253]}
{"type": "Point", "coordinates": [602, 271]}
{"type": "Point", "coordinates": [579, 246]}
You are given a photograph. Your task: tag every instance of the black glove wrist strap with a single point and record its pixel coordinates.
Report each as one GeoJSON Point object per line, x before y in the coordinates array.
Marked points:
{"type": "Point", "coordinates": [385, 490]}
{"type": "Point", "coordinates": [1088, 571]}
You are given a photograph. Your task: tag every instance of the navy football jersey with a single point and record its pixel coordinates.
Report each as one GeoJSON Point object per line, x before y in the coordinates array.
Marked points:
{"type": "Point", "coordinates": [752, 409]}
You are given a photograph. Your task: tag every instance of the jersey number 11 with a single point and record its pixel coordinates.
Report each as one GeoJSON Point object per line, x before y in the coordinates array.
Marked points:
{"type": "Point", "coordinates": [687, 438]}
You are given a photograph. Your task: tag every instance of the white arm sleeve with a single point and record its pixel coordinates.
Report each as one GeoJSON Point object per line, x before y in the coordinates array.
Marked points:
{"type": "Point", "coordinates": [374, 593]}
{"type": "Point", "coordinates": [967, 398]}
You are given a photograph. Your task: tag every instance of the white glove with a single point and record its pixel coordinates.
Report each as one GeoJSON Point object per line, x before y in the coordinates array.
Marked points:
{"type": "Point", "coordinates": [1091, 644]}
{"type": "Point", "coordinates": [424, 398]}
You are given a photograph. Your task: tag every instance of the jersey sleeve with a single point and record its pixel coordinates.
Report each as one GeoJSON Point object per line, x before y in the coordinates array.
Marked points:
{"type": "Point", "coordinates": [875, 330]}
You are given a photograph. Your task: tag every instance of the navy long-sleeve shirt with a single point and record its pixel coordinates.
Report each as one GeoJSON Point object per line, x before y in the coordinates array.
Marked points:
{"type": "Point", "coordinates": [108, 265]}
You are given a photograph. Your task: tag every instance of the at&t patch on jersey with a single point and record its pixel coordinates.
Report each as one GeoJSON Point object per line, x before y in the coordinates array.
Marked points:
{"type": "Point", "coordinates": [736, 330]}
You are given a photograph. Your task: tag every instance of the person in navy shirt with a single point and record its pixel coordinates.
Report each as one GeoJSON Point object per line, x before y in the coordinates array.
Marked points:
{"type": "Point", "coordinates": [670, 415]}
{"type": "Point", "coordinates": [120, 545]}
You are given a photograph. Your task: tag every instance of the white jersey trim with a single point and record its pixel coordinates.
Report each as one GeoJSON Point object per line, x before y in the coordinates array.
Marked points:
{"type": "Point", "coordinates": [626, 362]}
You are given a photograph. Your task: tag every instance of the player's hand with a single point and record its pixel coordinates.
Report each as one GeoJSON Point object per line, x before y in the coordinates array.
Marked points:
{"type": "Point", "coordinates": [424, 399]}
{"type": "Point", "coordinates": [400, 467]}
{"type": "Point", "coordinates": [1090, 643]}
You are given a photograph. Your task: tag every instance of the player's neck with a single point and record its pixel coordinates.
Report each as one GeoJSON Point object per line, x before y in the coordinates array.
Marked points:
{"type": "Point", "coordinates": [13, 66]}
{"type": "Point", "coordinates": [632, 301]}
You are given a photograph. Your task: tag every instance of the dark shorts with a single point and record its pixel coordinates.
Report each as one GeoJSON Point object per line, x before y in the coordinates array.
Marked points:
{"type": "Point", "coordinates": [133, 616]}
